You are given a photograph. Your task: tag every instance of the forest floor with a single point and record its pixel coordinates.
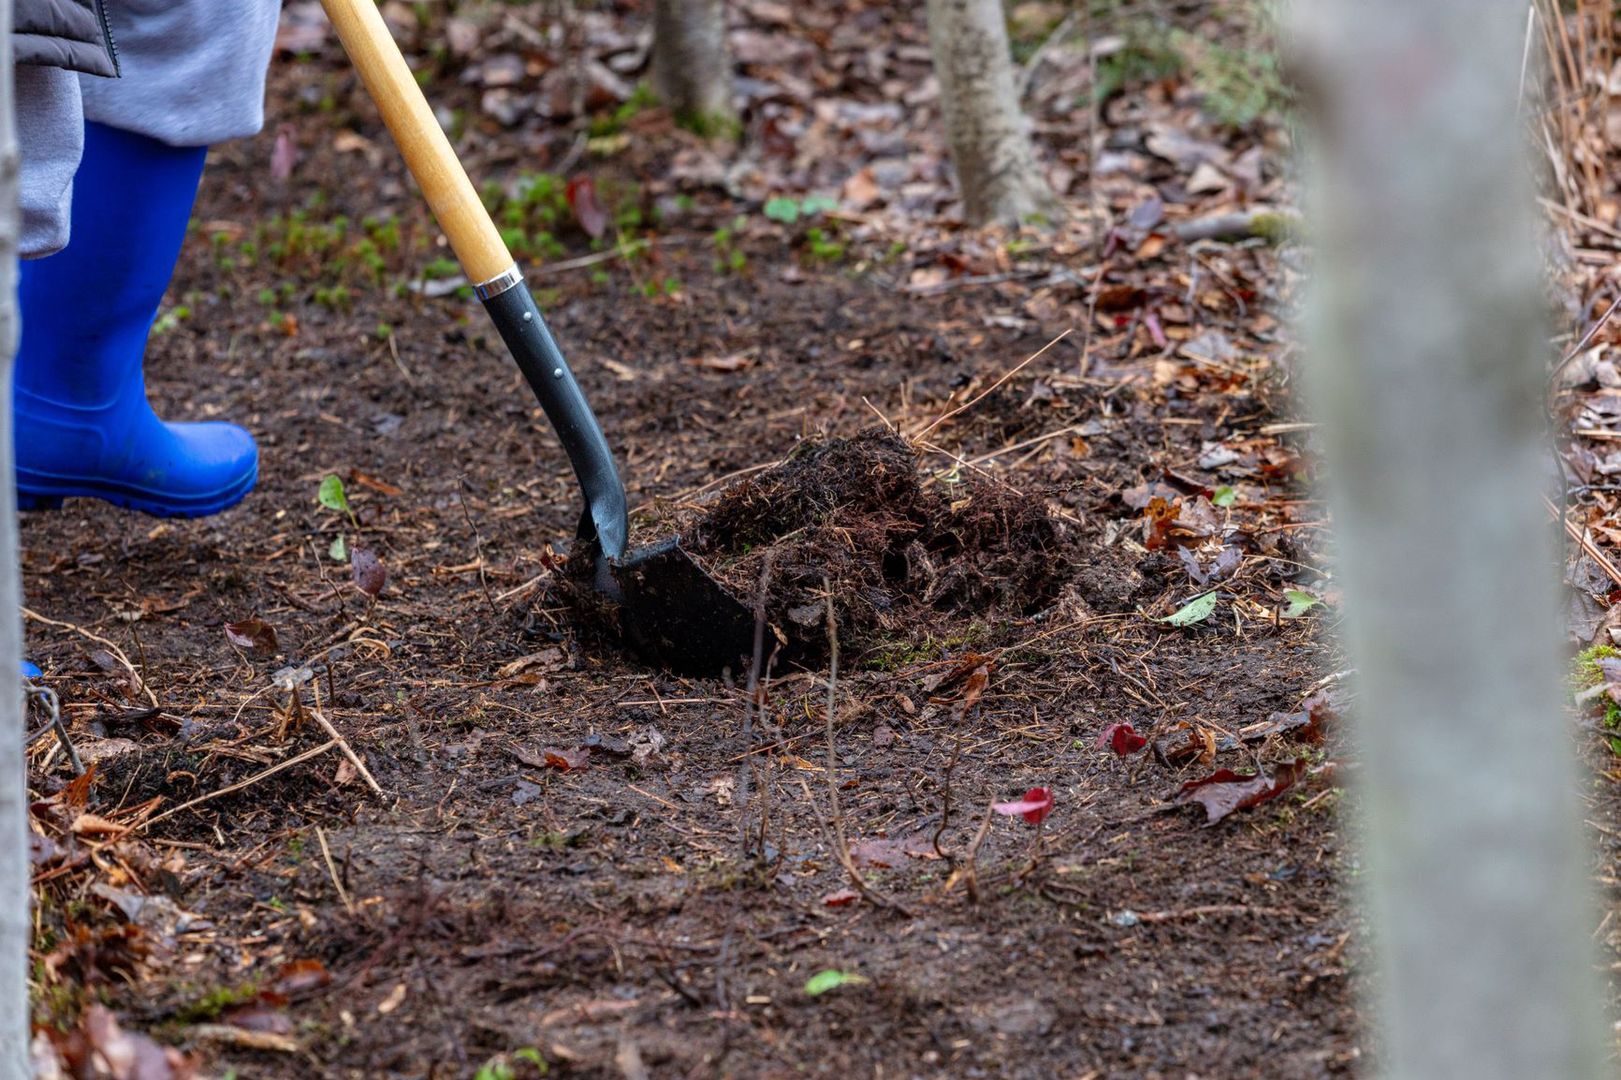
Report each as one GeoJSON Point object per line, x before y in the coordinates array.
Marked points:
{"type": "Point", "coordinates": [576, 864]}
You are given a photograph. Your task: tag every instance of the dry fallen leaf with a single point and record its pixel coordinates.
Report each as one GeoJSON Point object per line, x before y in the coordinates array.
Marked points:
{"type": "Point", "coordinates": [550, 658]}
{"type": "Point", "coordinates": [889, 852]}
{"type": "Point", "coordinates": [352, 142]}
{"type": "Point", "coordinates": [861, 190]}
{"type": "Point", "coordinates": [393, 1001]}
{"type": "Point", "coordinates": [254, 634]}
{"type": "Point", "coordinates": [1224, 791]}
{"type": "Point", "coordinates": [95, 825]}
{"type": "Point", "coordinates": [725, 364]}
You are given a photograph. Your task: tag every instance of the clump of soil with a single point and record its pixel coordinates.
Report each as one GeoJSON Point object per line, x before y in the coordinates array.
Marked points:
{"type": "Point", "coordinates": [906, 561]}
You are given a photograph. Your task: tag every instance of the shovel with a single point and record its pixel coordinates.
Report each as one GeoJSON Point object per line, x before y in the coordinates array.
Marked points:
{"type": "Point", "coordinates": [669, 608]}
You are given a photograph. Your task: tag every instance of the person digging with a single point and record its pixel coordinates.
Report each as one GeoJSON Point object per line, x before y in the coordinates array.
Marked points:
{"type": "Point", "coordinates": [117, 103]}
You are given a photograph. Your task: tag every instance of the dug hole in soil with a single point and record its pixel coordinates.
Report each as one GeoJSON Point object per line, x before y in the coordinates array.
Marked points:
{"type": "Point", "coordinates": [908, 561]}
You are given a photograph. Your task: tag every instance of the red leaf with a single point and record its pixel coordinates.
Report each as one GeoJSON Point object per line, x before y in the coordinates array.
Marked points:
{"type": "Point", "coordinates": [1122, 739]}
{"type": "Point", "coordinates": [300, 976]}
{"type": "Point", "coordinates": [582, 198]}
{"type": "Point", "coordinates": [553, 758]}
{"type": "Point", "coordinates": [370, 573]}
{"type": "Point", "coordinates": [1225, 791]}
{"type": "Point", "coordinates": [284, 155]}
{"type": "Point", "coordinates": [841, 898]}
{"type": "Point", "coordinates": [1155, 331]}
{"type": "Point", "coordinates": [567, 760]}
{"type": "Point", "coordinates": [1120, 298]}
{"type": "Point", "coordinates": [1036, 805]}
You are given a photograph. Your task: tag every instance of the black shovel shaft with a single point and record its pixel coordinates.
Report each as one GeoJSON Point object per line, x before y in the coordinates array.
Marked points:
{"type": "Point", "coordinates": [529, 341]}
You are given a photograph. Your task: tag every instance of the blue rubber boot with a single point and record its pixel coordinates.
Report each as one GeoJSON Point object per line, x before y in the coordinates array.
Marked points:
{"type": "Point", "coordinates": [83, 425]}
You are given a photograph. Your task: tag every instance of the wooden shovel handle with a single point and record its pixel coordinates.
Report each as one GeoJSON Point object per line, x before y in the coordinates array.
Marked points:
{"type": "Point", "coordinates": [422, 142]}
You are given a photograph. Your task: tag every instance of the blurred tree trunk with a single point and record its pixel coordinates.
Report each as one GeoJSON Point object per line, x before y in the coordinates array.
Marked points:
{"type": "Point", "coordinates": [990, 139]}
{"type": "Point", "coordinates": [15, 925]}
{"type": "Point", "coordinates": [1428, 359]}
{"type": "Point", "coordinates": [692, 67]}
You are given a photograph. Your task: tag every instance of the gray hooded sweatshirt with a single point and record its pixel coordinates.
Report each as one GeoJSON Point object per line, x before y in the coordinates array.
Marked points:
{"type": "Point", "coordinates": [188, 73]}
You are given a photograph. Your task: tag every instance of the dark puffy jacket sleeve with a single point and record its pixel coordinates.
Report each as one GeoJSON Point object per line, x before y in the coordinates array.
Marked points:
{"type": "Point", "coordinates": [70, 34]}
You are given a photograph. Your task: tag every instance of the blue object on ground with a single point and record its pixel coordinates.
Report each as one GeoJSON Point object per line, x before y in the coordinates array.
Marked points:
{"type": "Point", "coordinates": [31, 671]}
{"type": "Point", "coordinates": [83, 424]}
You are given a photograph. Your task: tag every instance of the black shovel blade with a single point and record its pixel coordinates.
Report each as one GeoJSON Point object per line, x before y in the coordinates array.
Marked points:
{"type": "Point", "coordinates": [678, 616]}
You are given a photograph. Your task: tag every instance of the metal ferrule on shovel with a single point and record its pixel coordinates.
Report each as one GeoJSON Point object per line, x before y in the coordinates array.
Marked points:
{"type": "Point", "coordinates": [670, 609]}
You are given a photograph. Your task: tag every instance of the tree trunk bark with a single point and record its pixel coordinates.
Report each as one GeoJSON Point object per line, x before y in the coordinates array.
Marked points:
{"type": "Point", "coordinates": [1427, 365]}
{"type": "Point", "coordinates": [15, 925]}
{"type": "Point", "coordinates": [996, 165]}
{"type": "Point", "coordinates": [692, 67]}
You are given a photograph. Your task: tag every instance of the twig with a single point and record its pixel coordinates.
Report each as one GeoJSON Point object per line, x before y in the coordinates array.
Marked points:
{"type": "Point", "coordinates": [963, 463]}
{"type": "Point", "coordinates": [53, 710]}
{"type": "Point", "coordinates": [1207, 911]}
{"type": "Point", "coordinates": [618, 251]}
{"type": "Point", "coordinates": [1264, 223]}
{"type": "Point", "coordinates": [348, 751]}
{"type": "Point", "coordinates": [970, 866]}
{"type": "Point", "coordinates": [953, 284]}
{"type": "Point", "coordinates": [725, 478]}
{"type": "Point", "coordinates": [525, 587]}
{"type": "Point", "coordinates": [1580, 536]}
{"type": "Point", "coordinates": [1575, 351]}
{"type": "Point", "coordinates": [478, 544]}
{"type": "Point", "coordinates": [1026, 444]}
{"type": "Point", "coordinates": [1059, 33]}
{"type": "Point", "coordinates": [841, 843]}
{"type": "Point", "coordinates": [333, 590]}
{"type": "Point", "coordinates": [746, 769]}
{"type": "Point", "coordinates": [945, 802]}
{"type": "Point", "coordinates": [240, 784]}
{"type": "Point", "coordinates": [326, 853]}
{"type": "Point", "coordinates": [244, 1038]}
{"type": "Point", "coordinates": [394, 351]}
{"type": "Point", "coordinates": [879, 413]}
{"type": "Point", "coordinates": [117, 653]}
{"type": "Point", "coordinates": [943, 417]}
{"type": "Point", "coordinates": [1525, 58]}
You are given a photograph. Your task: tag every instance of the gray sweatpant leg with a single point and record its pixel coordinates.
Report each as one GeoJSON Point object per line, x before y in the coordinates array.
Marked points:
{"type": "Point", "coordinates": [50, 133]}
{"type": "Point", "coordinates": [193, 75]}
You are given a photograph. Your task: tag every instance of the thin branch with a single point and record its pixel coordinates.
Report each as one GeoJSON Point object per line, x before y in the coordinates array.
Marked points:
{"type": "Point", "coordinates": [239, 785]}
{"type": "Point", "coordinates": [117, 653]}
{"type": "Point", "coordinates": [841, 843]}
{"type": "Point", "coordinates": [332, 871]}
{"type": "Point", "coordinates": [943, 417]}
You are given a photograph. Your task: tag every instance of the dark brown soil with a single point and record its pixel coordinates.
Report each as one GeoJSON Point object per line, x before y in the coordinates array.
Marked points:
{"type": "Point", "coordinates": [854, 517]}
{"type": "Point", "coordinates": [668, 901]}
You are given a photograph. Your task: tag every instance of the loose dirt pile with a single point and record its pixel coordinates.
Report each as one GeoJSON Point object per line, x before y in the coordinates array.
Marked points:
{"type": "Point", "coordinates": [908, 561]}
